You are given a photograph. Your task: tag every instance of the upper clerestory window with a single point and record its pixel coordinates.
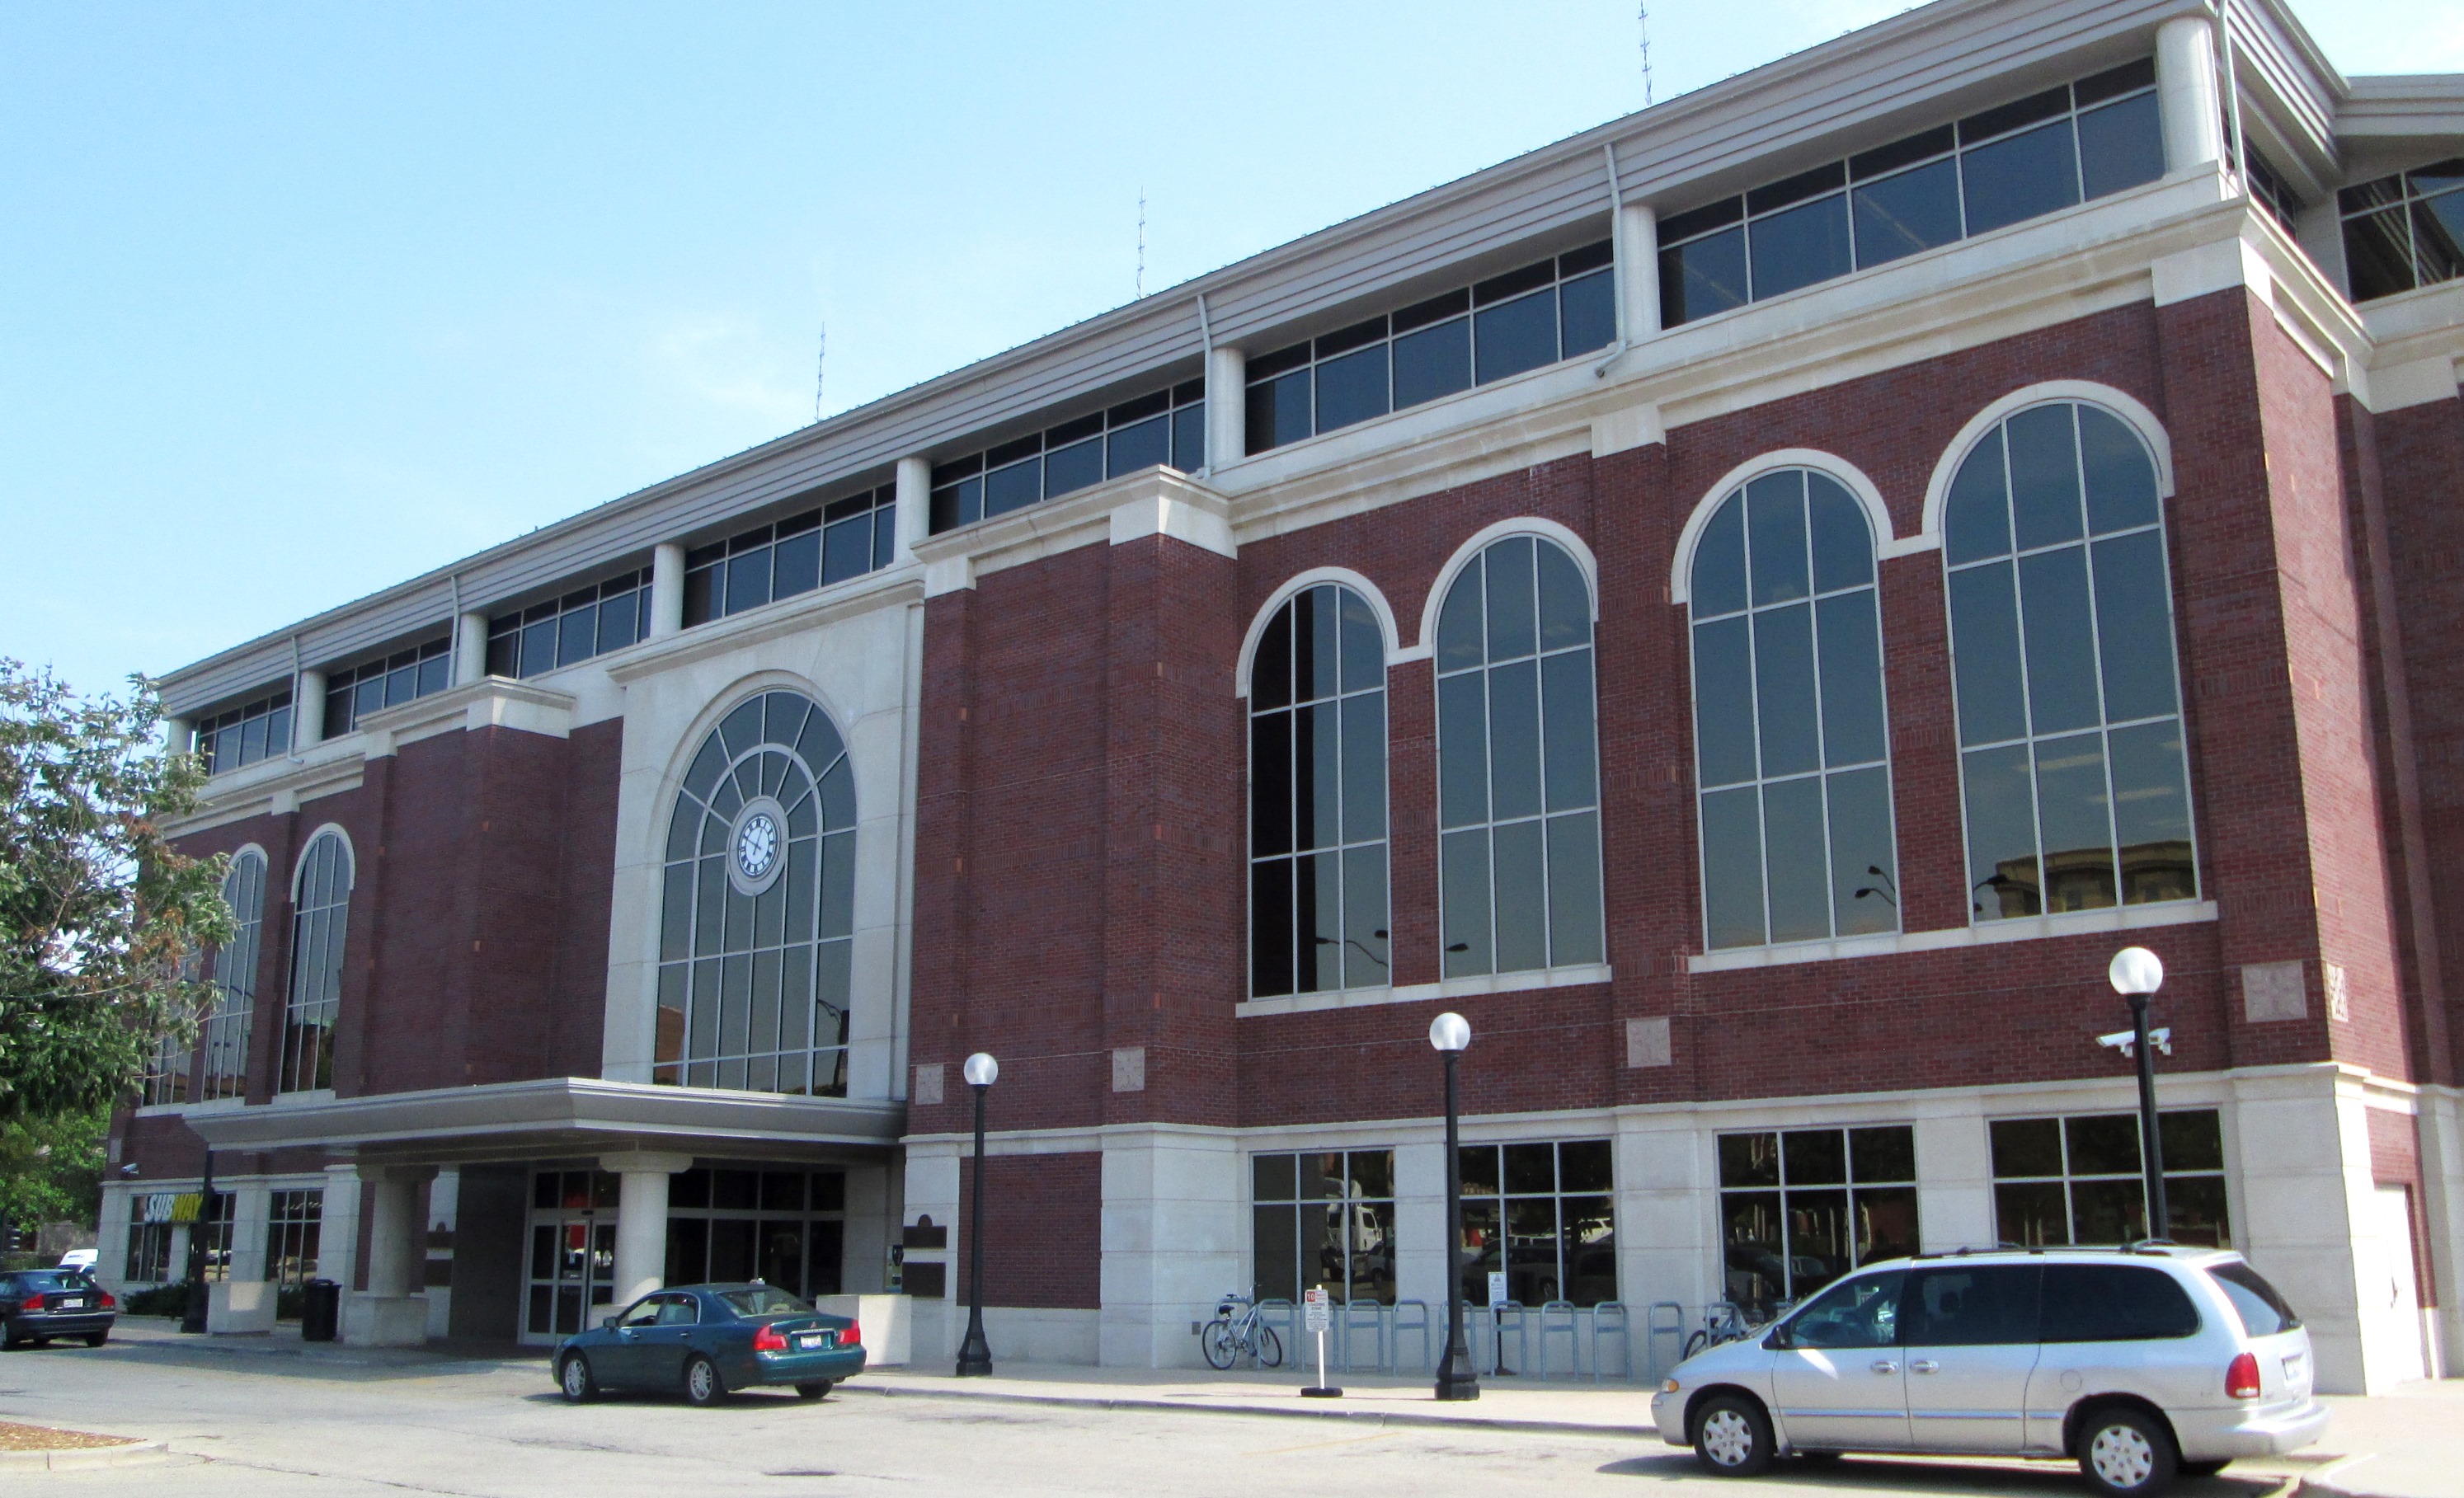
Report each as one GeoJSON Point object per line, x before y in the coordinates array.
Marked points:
{"type": "Point", "coordinates": [246, 733]}
{"type": "Point", "coordinates": [845, 538]}
{"type": "Point", "coordinates": [1550, 310]}
{"type": "Point", "coordinates": [1168, 427]}
{"type": "Point", "coordinates": [386, 682]}
{"type": "Point", "coordinates": [2017, 161]}
{"type": "Point", "coordinates": [2404, 230]}
{"type": "Point", "coordinates": [581, 624]}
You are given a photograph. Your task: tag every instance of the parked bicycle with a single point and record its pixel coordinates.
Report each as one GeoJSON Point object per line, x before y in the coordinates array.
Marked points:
{"type": "Point", "coordinates": [1237, 1329]}
{"type": "Point", "coordinates": [1721, 1322]}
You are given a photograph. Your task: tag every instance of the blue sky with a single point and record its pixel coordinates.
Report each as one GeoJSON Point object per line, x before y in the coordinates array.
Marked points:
{"type": "Point", "coordinates": [299, 300]}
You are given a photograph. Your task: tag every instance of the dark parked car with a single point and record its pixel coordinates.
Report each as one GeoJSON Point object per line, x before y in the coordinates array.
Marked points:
{"type": "Point", "coordinates": [39, 1305]}
{"type": "Point", "coordinates": [708, 1342]}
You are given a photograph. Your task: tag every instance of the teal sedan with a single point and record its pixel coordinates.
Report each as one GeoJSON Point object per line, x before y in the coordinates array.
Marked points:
{"type": "Point", "coordinates": [708, 1342]}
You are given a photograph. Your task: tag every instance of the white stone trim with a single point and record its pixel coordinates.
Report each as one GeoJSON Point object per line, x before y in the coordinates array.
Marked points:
{"type": "Point", "coordinates": [2023, 928]}
{"type": "Point", "coordinates": [1527, 981]}
{"type": "Point", "coordinates": [1520, 525]}
{"type": "Point", "coordinates": [1388, 635]}
{"type": "Point", "coordinates": [2116, 403]}
{"type": "Point", "coordinates": [299, 865]}
{"type": "Point", "coordinates": [1877, 515]}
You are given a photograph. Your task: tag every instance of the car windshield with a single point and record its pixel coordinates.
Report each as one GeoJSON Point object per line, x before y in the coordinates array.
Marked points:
{"type": "Point", "coordinates": [762, 1300]}
{"type": "Point", "coordinates": [2263, 1311]}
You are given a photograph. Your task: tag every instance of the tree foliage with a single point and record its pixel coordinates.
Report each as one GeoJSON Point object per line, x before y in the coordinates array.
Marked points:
{"type": "Point", "coordinates": [50, 1167]}
{"type": "Point", "coordinates": [101, 921]}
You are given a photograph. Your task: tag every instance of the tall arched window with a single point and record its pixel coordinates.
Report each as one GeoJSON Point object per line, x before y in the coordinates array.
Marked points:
{"type": "Point", "coordinates": [2062, 627]}
{"type": "Point", "coordinates": [224, 1037]}
{"type": "Point", "coordinates": [320, 926]}
{"type": "Point", "coordinates": [1317, 797]}
{"type": "Point", "coordinates": [1518, 771]}
{"type": "Point", "coordinates": [1792, 753]}
{"type": "Point", "coordinates": [757, 921]}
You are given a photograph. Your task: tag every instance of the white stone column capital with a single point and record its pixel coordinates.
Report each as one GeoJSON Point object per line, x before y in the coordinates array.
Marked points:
{"type": "Point", "coordinates": [630, 1161]}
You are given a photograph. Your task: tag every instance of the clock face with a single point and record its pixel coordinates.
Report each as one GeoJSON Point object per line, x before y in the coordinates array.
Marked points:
{"type": "Point", "coordinates": [756, 845]}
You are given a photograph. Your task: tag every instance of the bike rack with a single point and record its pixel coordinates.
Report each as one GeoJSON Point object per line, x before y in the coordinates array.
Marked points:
{"type": "Point", "coordinates": [1421, 1326]}
{"type": "Point", "coordinates": [1498, 1317]}
{"type": "Point", "coordinates": [1290, 1331]}
{"type": "Point", "coordinates": [1359, 1317]}
{"type": "Point", "coordinates": [1601, 1315]}
{"type": "Point", "coordinates": [1572, 1317]}
{"type": "Point", "coordinates": [1672, 1328]}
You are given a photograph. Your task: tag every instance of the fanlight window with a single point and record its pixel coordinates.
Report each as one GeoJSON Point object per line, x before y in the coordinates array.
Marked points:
{"type": "Point", "coordinates": [224, 1037]}
{"type": "Point", "coordinates": [758, 911]}
{"type": "Point", "coordinates": [2061, 625]}
{"type": "Point", "coordinates": [1518, 763]}
{"type": "Point", "coordinates": [1792, 748]}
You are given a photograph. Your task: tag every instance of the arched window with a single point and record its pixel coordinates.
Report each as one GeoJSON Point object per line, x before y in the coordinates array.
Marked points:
{"type": "Point", "coordinates": [1518, 775]}
{"type": "Point", "coordinates": [1792, 753]}
{"type": "Point", "coordinates": [1317, 797]}
{"type": "Point", "coordinates": [224, 1037]}
{"type": "Point", "coordinates": [2062, 629]}
{"type": "Point", "coordinates": [757, 921]}
{"type": "Point", "coordinates": [320, 926]}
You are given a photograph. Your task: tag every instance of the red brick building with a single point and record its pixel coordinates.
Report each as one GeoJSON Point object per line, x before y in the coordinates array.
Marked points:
{"type": "Point", "coordinates": [1751, 606]}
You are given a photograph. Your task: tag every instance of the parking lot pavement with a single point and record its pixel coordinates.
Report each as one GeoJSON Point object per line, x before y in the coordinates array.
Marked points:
{"type": "Point", "coordinates": [268, 1417]}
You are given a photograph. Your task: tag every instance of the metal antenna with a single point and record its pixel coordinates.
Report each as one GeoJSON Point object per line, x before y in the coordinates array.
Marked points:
{"type": "Point", "coordinates": [1643, 26]}
{"type": "Point", "coordinates": [1142, 241]}
{"type": "Point", "coordinates": [821, 368]}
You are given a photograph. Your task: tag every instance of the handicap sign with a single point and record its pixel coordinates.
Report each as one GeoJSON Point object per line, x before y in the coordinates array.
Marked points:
{"type": "Point", "coordinates": [1496, 1287]}
{"type": "Point", "coordinates": [1318, 1311]}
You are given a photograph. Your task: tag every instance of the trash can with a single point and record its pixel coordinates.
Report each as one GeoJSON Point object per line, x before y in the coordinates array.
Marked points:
{"type": "Point", "coordinates": [320, 1310]}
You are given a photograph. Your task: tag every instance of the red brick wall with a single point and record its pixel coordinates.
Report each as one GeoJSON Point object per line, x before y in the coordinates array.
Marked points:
{"type": "Point", "coordinates": [1044, 1238]}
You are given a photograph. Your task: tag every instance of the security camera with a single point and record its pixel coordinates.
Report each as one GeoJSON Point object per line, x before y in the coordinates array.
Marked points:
{"type": "Point", "coordinates": [129, 1169]}
{"type": "Point", "coordinates": [2127, 1041]}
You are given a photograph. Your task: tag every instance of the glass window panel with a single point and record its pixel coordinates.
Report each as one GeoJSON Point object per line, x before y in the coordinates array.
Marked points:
{"type": "Point", "coordinates": [1864, 865]}
{"type": "Point", "coordinates": [1784, 690]}
{"type": "Point", "coordinates": [1843, 544]}
{"type": "Point", "coordinates": [1364, 645]}
{"type": "Point", "coordinates": [577, 634]}
{"type": "Point", "coordinates": [2027, 1147]}
{"type": "Point", "coordinates": [838, 884]}
{"type": "Point", "coordinates": [1977, 517]}
{"type": "Point", "coordinates": [2001, 833]}
{"type": "Point", "coordinates": [1733, 868]}
{"type": "Point", "coordinates": [1984, 654]}
{"type": "Point", "coordinates": [1512, 617]}
{"type": "Point", "coordinates": [618, 620]}
{"type": "Point", "coordinates": [748, 580]}
{"type": "Point", "coordinates": [2072, 810]}
{"type": "Point", "coordinates": [1512, 336]}
{"type": "Point", "coordinates": [2107, 1211]}
{"type": "Point", "coordinates": [1718, 585]}
{"type": "Point", "coordinates": [2194, 1208]}
{"type": "Point", "coordinates": [1724, 716]}
{"type": "Point", "coordinates": [1317, 904]}
{"type": "Point", "coordinates": [1530, 1169]}
{"type": "Point", "coordinates": [1271, 785]}
{"type": "Point", "coordinates": [1315, 651]}
{"type": "Point", "coordinates": [2020, 177]}
{"type": "Point", "coordinates": [1748, 1159]}
{"type": "Point", "coordinates": [1900, 216]}
{"type": "Point", "coordinates": [1531, 1270]}
{"type": "Point", "coordinates": [2121, 146]}
{"type": "Point", "coordinates": [1813, 1156]}
{"type": "Point", "coordinates": [1270, 669]}
{"type": "Point", "coordinates": [1013, 488]}
{"type": "Point", "coordinates": [1514, 739]}
{"type": "Point", "coordinates": [2152, 814]}
{"type": "Point", "coordinates": [1189, 437]}
{"type": "Point", "coordinates": [846, 552]}
{"type": "Point", "coordinates": [1522, 926]}
{"type": "Point", "coordinates": [1850, 643]}
{"type": "Point", "coordinates": [2062, 640]}
{"type": "Point", "coordinates": [1351, 389]}
{"type": "Point", "coordinates": [2102, 1144]}
{"type": "Point", "coordinates": [2121, 479]}
{"type": "Point", "coordinates": [2044, 476]}
{"type": "Point", "coordinates": [1464, 867]}
{"type": "Point", "coordinates": [1565, 599]}
{"type": "Point", "coordinates": [1587, 313]}
{"type": "Point", "coordinates": [2134, 621]}
{"type": "Point", "coordinates": [1433, 362]}
{"type": "Point", "coordinates": [1459, 621]}
{"type": "Point", "coordinates": [251, 741]}
{"type": "Point", "coordinates": [1584, 1165]}
{"type": "Point", "coordinates": [1705, 277]}
{"type": "Point", "coordinates": [1316, 776]}
{"type": "Point", "coordinates": [1566, 698]}
{"type": "Point", "coordinates": [1756, 1270]}
{"type": "Point", "coordinates": [1140, 445]}
{"type": "Point", "coordinates": [1076, 467]}
{"type": "Point", "coordinates": [1463, 760]}
{"type": "Point", "coordinates": [1800, 247]}
{"type": "Point", "coordinates": [1775, 524]}
{"type": "Point", "coordinates": [1365, 949]}
{"type": "Point", "coordinates": [1364, 767]}
{"type": "Point", "coordinates": [1273, 1177]}
{"type": "Point", "coordinates": [431, 677]}
{"type": "Point", "coordinates": [1574, 932]}
{"type": "Point", "coordinates": [2439, 238]}
{"type": "Point", "coordinates": [2192, 1140]}
{"type": "Point", "coordinates": [1799, 879]}
{"type": "Point", "coordinates": [2377, 254]}
{"type": "Point", "coordinates": [1279, 411]}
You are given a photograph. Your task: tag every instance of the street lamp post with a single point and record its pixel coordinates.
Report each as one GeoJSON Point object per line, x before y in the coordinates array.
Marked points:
{"type": "Point", "coordinates": [974, 1353]}
{"type": "Point", "coordinates": [2136, 974]}
{"type": "Point", "coordinates": [192, 1313]}
{"type": "Point", "coordinates": [1450, 1033]}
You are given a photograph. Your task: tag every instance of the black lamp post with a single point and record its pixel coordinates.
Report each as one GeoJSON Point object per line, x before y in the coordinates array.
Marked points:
{"type": "Point", "coordinates": [2136, 974]}
{"type": "Point", "coordinates": [192, 1313]}
{"type": "Point", "coordinates": [1450, 1033]}
{"type": "Point", "coordinates": [974, 1353]}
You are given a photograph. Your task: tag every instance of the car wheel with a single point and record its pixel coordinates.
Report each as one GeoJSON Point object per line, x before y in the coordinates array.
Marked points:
{"type": "Point", "coordinates": [703, 1386]}
{"type": "Point", "coordinates": [813, 1390]}
{"type": "Point", "coordinates": [573, 1376]}
{"type": "Point", "coordinates": [1732, 1437]}
{"type": "Point", "coordinates": [2126, 1453]}
{"type": "Point", "coordinates": [97, 1338]}
{"type": "Point", "coordinates": [2203, 1468]}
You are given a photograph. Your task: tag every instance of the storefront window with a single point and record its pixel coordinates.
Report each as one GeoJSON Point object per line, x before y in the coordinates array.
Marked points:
{"type": "Point", "coordinates": [1325, 1220]}
{"type": "Point", "coordinates": [1800, 1208]}
{"type": "Point", "coordinates": [1540, 1214]}
{"type": "Point", "coordinates": [2078, 1180]}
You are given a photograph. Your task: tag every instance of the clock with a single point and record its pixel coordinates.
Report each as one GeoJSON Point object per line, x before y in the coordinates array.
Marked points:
{"type": "Point", "coordinates": [756, 845]}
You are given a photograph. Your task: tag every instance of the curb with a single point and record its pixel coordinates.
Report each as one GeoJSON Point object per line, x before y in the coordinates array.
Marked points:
{"type": "Point", "coordinates": [2320, 1484]}
{"type": "Point", "coordinates": [134, 1453]}
{"type": "Point", "coordinates": [1369, 1417]}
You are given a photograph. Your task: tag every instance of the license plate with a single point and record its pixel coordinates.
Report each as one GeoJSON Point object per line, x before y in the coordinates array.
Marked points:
{"type": "Point", "coordinates": [76, 1303]}
{"type": "Point", "coordinates": [807, 1341]}
{"type": "Point", "coordinates": [2293, 1369]}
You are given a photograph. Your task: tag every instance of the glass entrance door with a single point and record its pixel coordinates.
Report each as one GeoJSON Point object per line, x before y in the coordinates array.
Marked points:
{"type": "Point", "coordinates": [572, 1265]}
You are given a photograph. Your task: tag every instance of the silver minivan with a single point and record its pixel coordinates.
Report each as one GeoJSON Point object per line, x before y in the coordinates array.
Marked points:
{"type": "Point", "coordinates": [2141, 1362]}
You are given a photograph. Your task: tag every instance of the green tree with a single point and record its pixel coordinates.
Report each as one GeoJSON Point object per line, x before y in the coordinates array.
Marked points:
{"type": "Point", "coordinates": [50, 1167]}
{"type": "Point", "coordinates": [101, 921]}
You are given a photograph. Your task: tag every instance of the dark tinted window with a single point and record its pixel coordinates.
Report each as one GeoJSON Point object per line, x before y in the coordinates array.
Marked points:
{"type": "Point", "coordinates": [1858, 1312]}
{"type": "Point", "coordinates": [2263, 1311]}
{"type": "Point", "coordinates": [1974, 1305]}
{"type": "Point", "coordinates": [763, 1301]}
{"type": "Point", "coordinates": [2114, 1303]}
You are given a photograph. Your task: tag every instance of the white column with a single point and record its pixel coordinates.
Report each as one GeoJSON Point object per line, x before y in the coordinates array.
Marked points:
{"type": "Point", "coordinates": [111, 1238]}
{"type": "Point", "coordinates": [308, 711]}
{"type": "Point", "coordinates": [1639, 270]}
{"type": "Point", "coordinates": [914, 503]}
{"type": "Point", "coordinates": [179, 735]}
{"type": "Point", "coordinates": [1227, 407]}
{"type": "Point", "coordinates": [2187, 93]}
{"type": "Point", "coordinates": [337, 1228]}
{"type": "Point", "coordinates": [397, 1239]}
{"type": "Point", "coordinates": [642, 1220]}
{"type": "Point", "coordinates": [666, 590]}
{"type": "Point", "coordinates": [469, 648]}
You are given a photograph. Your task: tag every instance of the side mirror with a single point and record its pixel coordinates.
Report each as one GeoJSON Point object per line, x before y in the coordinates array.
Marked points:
{"type": "Point", "coordinates": [1778, 1341]}
{"type": "Point", "coordinates": [609, 1324]}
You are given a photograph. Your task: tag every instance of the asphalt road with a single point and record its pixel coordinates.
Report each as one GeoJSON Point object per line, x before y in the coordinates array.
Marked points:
{"type": "Point", "coordinates": [266, 1424]}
